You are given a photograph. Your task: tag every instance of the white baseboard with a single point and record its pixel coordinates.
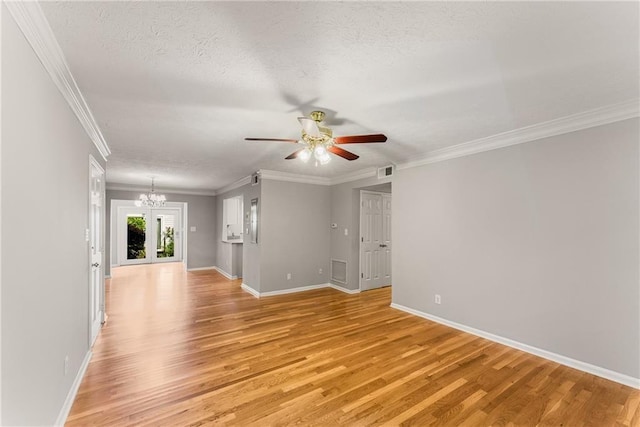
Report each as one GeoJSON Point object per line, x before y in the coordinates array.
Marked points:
{"type": "Point", "coordinates": [554, 357]}
{"type": "Point", "coordinates": [225, 274]}
{"type": "Point", "coordinates": [345, 290]}
{"type": "Point", "coordinates": [201, 268]}
{"type": "Point", "coordinates": [71, 396]}
{"type": "Point", "coordinates": [250, 290]}
{"type": "Point", "coordinates": [293, 290]}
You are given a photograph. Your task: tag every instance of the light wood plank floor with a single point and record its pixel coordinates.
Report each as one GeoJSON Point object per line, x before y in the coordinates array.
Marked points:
{"type": "Point", "coordinates": [194, 349]}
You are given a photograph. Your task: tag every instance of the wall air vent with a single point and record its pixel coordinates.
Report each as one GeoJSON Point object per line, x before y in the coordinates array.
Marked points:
{"type": "Point", "coordinates": [339, 271]}
{"type": "Point", "coordinates": [386, 171]}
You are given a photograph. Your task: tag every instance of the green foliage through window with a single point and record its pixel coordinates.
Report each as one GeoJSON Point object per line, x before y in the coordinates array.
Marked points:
{"type": "Point", "coordinates": [136, 226]}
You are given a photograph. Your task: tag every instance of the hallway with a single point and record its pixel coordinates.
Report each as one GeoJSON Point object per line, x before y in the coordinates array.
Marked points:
{"type": "Point", "coordinates": [191, 348]}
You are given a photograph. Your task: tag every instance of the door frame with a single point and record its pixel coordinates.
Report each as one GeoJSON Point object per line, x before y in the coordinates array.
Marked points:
{"type": "Point", "coordinates": [362, 192]}
{"type": "Point", "coordinates": [113, 228]}
{"type": "Point", "coordinates": [94, 164]}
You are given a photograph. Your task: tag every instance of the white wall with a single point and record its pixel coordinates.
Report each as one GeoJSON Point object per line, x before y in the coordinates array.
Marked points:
{"type": "Point", "coordinates": [45, 262]}
{"type": "Point", "coordinates": [538, 243]}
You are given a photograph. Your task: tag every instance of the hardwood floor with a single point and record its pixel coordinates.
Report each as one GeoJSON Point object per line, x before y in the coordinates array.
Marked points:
{"type": "Point", "coordinates": [194, 349]}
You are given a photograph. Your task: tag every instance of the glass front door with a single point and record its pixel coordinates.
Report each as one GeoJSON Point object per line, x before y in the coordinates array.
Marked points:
{"type": "Point", "coordinates": [149, 235]}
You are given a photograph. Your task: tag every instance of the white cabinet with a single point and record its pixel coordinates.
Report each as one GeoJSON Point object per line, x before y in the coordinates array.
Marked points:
{"type": "Point", "coordinates": [232, 212]}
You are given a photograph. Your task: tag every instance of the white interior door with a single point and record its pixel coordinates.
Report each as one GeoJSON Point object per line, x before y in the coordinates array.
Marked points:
{"type": "Point", "coordinates": [375, 240]}
{"type": "Point", "coordinates": [96, 248]}
{"type": "Point", "coordinates": [167, 235]}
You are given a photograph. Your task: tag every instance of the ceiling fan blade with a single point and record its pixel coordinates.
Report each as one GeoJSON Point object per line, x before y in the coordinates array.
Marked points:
{"type": "Point", "coordinates": [310, 126]}
{"type": "Point", "coordinates": [294, 154]}
{"type": "Point", "coordinates": [272, 139]}
{"type": "Point", "coordinates": [359, 139]}
{"type": "Point", "coordinates": [342, 153]}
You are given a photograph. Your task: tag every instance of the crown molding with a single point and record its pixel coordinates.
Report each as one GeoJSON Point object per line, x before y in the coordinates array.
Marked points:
{"type": "Point", "coordinates": [317, 180]}
{"type": "Point", "coordinates": [138, 188]}
{"type": "Point", "coordinates": [35, 27]}
{"type": "Point", "coordinates": [588, 119]}
{"type": "Point", "coordinates": [239, 183]}
{"type": "Point", "coordinates": [292, 177]}
{"type": "Point", "coordinates": [354, 176]}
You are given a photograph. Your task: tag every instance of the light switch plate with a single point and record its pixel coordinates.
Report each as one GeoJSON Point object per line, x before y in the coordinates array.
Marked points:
{"type": "Point", "coordinates": [192, 229]}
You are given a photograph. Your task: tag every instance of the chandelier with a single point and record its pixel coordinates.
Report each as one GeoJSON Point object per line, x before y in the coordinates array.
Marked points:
{"type": "Point", "coordinates": [151, 199]}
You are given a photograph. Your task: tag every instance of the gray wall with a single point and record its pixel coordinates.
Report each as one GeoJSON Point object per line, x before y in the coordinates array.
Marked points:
{"type": "Point", "coordinates": [294, 235]}
{"type": "Point", "coordinates": [345, 212]}
{"type": "Point", "coordinates": [228, 255]}
{"type": "Point", "coordinates": [45, 262]}
{"type": "Point", "coordinates": [536, 242]}
{"type": "Point", "coordinates": [201, 244]}
{"type": "Point", "coordinates": [251, 251]}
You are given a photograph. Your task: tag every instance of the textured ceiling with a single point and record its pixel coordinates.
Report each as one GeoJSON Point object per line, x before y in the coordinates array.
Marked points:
{"type": "Point", "coordinates": [176, 86]}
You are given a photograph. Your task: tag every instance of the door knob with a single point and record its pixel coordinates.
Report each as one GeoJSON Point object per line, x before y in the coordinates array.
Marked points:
{"type": "Point", "coordinates": [95, 264]}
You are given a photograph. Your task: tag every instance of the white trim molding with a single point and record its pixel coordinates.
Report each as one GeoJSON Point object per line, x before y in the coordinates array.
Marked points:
{"type": "Point", "coordinates": [545, 354]}
{"type": "Point", "coordinates": [293, 290]}
{"type": "Point", "coordinates": [71, 396]}
{"type": "Point", "coordinates": [257, 294]}
{"type": "Point", "coordinates": [35, 27]}
{"type": "Point", "coordinates": [354, 176]}
{"type": "Point", "coordinates": [588, 119]}
{"type": "Point", "coordinates": [292, 177]}
{"type": "Point", "coordinates": [141, 188]}
{"type": "Point", "coordinates": [342, 289]}
{"type": "Point", "coordinates": [250, 290]}
{"type": "Point", "coordinates": [225, 274]}
{"type": "Point", "coordinates": [239, 183]}
{"type": "Point", "coordinates": [317, 180]}
{"type": "Point", "coordinates": [202, 268]}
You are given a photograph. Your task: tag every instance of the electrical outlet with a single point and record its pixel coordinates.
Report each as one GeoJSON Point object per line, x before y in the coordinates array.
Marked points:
{"type": "Point", "coordinates": [319, 271]}
{"type": "Point", "coordinates": [66, 365]}
{"type": "Point", "coordinates": [438, 299]}
{"type": "Point", "coordinates": [346, 231]}
{"type": "Point", "coordinates": [288, 276]}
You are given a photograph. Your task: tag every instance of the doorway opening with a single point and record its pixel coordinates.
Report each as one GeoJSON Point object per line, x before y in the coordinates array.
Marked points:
{"type": "Point", "coordinates": [375, 237]}
{"type": "Point", "coordinates": [142, 235]}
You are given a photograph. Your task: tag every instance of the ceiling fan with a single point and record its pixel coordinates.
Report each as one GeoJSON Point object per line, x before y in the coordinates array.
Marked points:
{"type": "Point", "coordinates": [318, 140]}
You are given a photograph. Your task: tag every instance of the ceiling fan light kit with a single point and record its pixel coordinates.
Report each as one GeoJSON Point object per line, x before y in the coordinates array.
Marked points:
{"type": "Point", "coordinates": [319, 141]}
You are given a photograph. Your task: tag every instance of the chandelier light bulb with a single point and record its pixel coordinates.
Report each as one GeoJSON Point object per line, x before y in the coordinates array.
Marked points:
{"type": "Point", "coordinates": [305, 155]}
{"type": "Point", "coordinates": [319, 151]}
{"type": "Point", "coordinates": [324, 158]}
